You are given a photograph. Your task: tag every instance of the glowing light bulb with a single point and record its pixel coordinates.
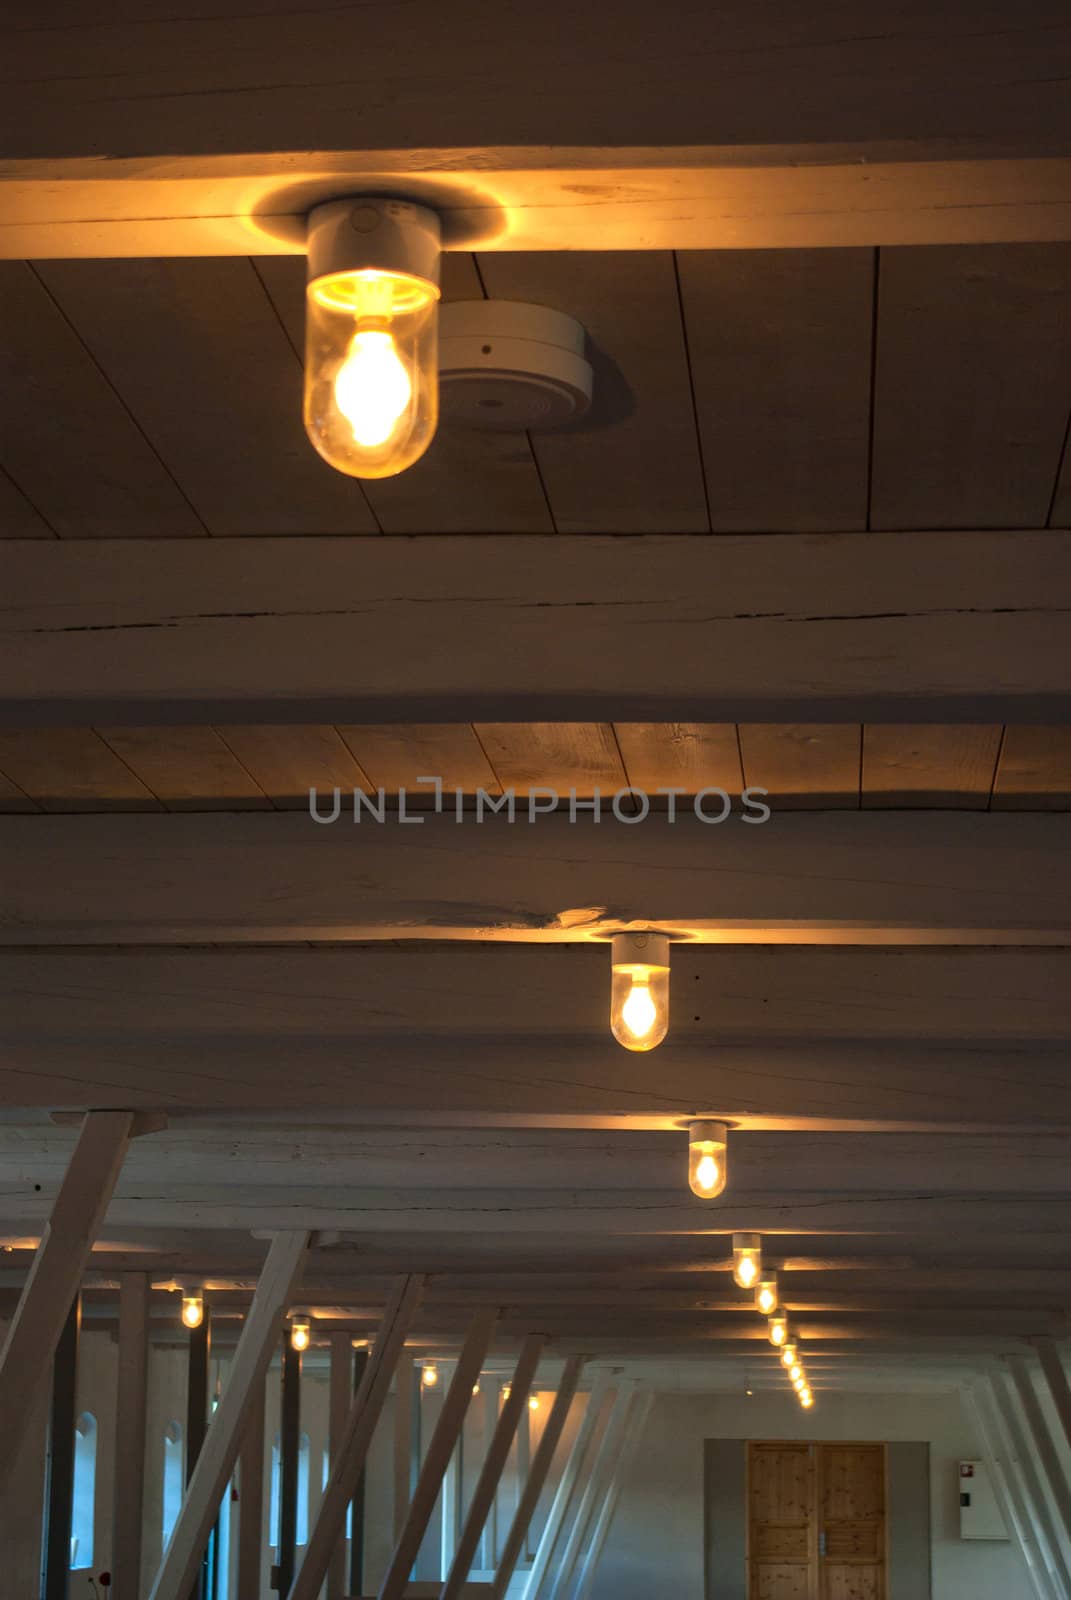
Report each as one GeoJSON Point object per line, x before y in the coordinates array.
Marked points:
{"type": "Point", "coordinates": [372, 388]}
{"type": "Point", "coordinates": [639, 998]}
{"type": "Point", "coordinates": [788, 1355]}
{"type": "Point", "coordinates": [371, 340]}
{"type": "Point", "coordinates": [300, 1333]}
{"type": "Point", "coordinates": [799, 1382]}
{"type": "Point", "coordinates": [747, 1259]}
{"type": "Point", "coordinates": [806, 1399]}
{"type": "Point", "coordinates": [778, 1328]}
{"type": "Point", "coordinates": [766, 1295]}
{"type": "Point", "coordinates": [533, 1403]}
{"type": "Point", "coordinates": [707, 1158]}
{"type": "Point", "coordinates": [507, 1390]}
{"type": "Point", "coordinates": [429, 1375]}
{"type": "Point", "coordinates": [193, 1310]}
{"type": "Point", "coordinates": [795, 1371]}
{"type": "Point", "coordinates": [475, 1389]}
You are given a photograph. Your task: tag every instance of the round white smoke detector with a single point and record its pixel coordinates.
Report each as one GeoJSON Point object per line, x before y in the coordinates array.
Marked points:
{"type": "Point", "coordinates": [504, 364]}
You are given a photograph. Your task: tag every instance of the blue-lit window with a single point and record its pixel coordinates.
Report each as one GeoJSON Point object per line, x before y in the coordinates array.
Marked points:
{"type": "Point", "coordinates": [173, 1477]}
{"type": "Point", "coordinates": [85, 1491]}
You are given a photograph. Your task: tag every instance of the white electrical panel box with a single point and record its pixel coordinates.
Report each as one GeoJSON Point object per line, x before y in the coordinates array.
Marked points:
{"type": "Point", "coordinates": [979, 1513]}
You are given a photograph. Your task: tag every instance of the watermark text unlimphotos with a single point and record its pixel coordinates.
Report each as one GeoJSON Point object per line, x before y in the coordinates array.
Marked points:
{"type": "Point", "coordinates": [628, 805]}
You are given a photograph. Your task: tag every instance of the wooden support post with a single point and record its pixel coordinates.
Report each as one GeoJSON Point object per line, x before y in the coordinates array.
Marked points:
{"type": "Point", "coordinates": [340, 1397]}
{"type": "Point", "coordinates": [259, 1337]}
{"type": "Point", "coordinates": [360, 1366]}
{"type": "Point", "coordinates": [537, 1477]}
{"type": "Point", "coordinates": [251, 1499]}
{"type": "Point", "coordinates": [353, 1448]}
{"type": "Point", "coordinates": [130, 1414]}
{"type": "Point", "coordinates": [1007, 1492]}
{"type": "Point", "coordinates": [56, 1274]}
{"type": "Point", "coordinates": [1042, 1440]}
{"type": "Point", "coordinates": [289, 1452]}
{"type": "Point", "coordinates": [59, 1487]}
{"type": "Point", "coordinates": [594, 1488]}
{"type": "Point", "coordinates": [440, 1449]}
{"type": "Point", "coordinates": [638, 1414]}
{"type": "Point", "coordinates": [494, 1463]}
{"type": "Point", "coordinates": [1056, 1379]}
{"type": "Point", "coordinates": [1034, 1500]}
{"type": "Point", "coordinates": [406, 1421]}
{"type": "Point", "coordinates": [566, 1492]}
{"type": "Point", "coordinates": [200, 1354]}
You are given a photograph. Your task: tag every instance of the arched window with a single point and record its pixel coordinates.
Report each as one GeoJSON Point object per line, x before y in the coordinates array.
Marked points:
{"type": "Point", "coordinates": [173, 1474]}
{"type": "Point", "coordinates": [85, 1491]}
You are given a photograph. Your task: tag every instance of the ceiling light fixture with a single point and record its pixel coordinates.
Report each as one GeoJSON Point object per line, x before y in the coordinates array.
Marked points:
{"type": "Point", "coordinates": [766, 1295]}
{"type": "Point", "coordinates": [747, 1259]}
{"type": "Point", "coordinates": [429, 1375]}
{"type": "Point", "coordinates": [639, 997]}
{"type": "Point", "coordinates": [778, 1329]}
{"type": "Point", "coordinates": [708, 1167]}
{"type": "Point", "coordinates": [788, 1354]}
{"type": "Point", "coordinates": [371, 333]}
{"type": "Point", "coordinates": [300, 1333]}
{"type": "Point", "coordinates": [193, 1309]}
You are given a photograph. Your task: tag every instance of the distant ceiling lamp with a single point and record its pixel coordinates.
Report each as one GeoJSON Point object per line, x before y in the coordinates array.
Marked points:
{"type": "Point", "coordinates": [300, 1333]}
{"type": "Point", "coordinates": [429, 1375]}
{"type": "Point", "coordinates": [777, 1326]}
{"type": "Point", "coordinates": [795, 1373]}
{"type": "Point", "coordinates": [806, 1399]}
{"type": "Point", "coordinates": [371, 333]}
{"type": "Point", "coordinates": [766, 1299]}
{"type": "Point", "coordinates": [639, 991]}
{"type": "Point", "coordinates": [747, 1259]}
{"type": "Point", "coordinates": [799, 1379]}
{"type": "Point", "coordinates": [193, 1308]}
{"type": "Point", "coordinates": [789, 1354]}
{"type": "Point", "coordinates": [533, 1403]}
{"type": "Point", "coordinates": [708, 1167]}
{"type": "Point", "coordinates": [504, 364]}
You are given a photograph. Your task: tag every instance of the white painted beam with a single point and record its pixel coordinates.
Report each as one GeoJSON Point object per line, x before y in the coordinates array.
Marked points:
{"type": "Point", "coordinates": [595, 1487]}
{"type": "Point", "coordinates": [437, 1457]}
{"type": "Point", "coordinates": [1009, 1498]}
{"type": "Point", "coordinates": [340, 1399]}
{"type": "Point", "coordinates": [251, 1499]}
{"type": "Point", "coordinates": [589, 1565]}
{"type": "Point", "coordinates": [56, 1273]}
{"type": "Point", "coordinates": [260, 1335]}
{"type": "Point", "coordinates": [130, 1417]}
{"type": "Point", "coordinates": [1056, 1378]}
{"type": "Point", "coordinates": [537, 1477]}
{"type": "Point", "coordinates": [1023, 1465]}
{"type": "Point", "coordinates": [1042, 1440]}
{"type": "Point", "coordinates": [565, 1497]}
{"type": "Point", "coordinates": [922, 626]}
{"type": "Point", "coordinates": [491, 1472]}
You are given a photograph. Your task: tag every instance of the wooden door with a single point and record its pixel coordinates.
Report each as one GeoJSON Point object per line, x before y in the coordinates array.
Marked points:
{"type": "Point", "coordinates": [816, 1521]}
{"type": "Point", "coordinates": [851, 1515]}
{"type": "Point", "coordinates": [782, 1522]}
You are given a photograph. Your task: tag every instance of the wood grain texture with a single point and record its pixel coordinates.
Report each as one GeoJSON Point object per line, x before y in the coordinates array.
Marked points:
{"type": "Point", "coordinates": [632, 465]}
{"type": "Point", "coordinates": [67, 439]}
{"type": "Point", "coordinates": [971, 391]}
{"type": "Point", "coordinates": [196, 351]}
{"type": "Point", "coordinates": [805, 877]}
{"type": "Point", "coordinates": [780, 350]}
{"type": "Point", "coordinates": [290, 760]}
{"type": "Point", "coordinates": [71, 769]}
{"type": "Point", "coordinates": [467, 482]}
{"type": "Point", "coordinates": [188, 769]}
{"type": "Point", "coordinates": [929, 766]}
{"type": "Point", "coordinates": [805, 766]}
{"type": "Point", "coordinates": [395, 757]}
{"type": "Point", "coordinates": [1034, 772]}
{"type": "Point", "coordinates": [562, 756]}
{"type": "Point", "coordinates": [951, 627]}
{"type": "Point", "coordinates": [12, 797]}
{"type": "Point", "coordinates": [680, 755]}
{"type": "Point", "coordinates": [18, 518]}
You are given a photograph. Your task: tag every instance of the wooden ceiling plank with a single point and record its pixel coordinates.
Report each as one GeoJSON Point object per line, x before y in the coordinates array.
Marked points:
{"type": "Point", "coordinates": [188, 769]}
{"type": "Point", "coordinates": [395, 757]}
{"type": "Point", "coordinates": [468, 482]}
{"type": "Point", "coordinates": [974, 347]}
{"type": "Point", "coordinates": [804, 765]}
{"type": "Point", "coordinates": [71, 769]}
{"type": "Point", "coordinates": [579, 757]}
{"type": "Point", "coordinates": [909, 765]}
{"type": "Point", "coordinates": [197, 353]}
{"type": "Point", "coordinates": [632, 465]}
{"type": "Point", "coordinates": [689, 756]}
{"type": "Point", "coordinates": [68, 440]}
{"type": "Point", "coordinates": [12, 797]}
{"type": "Point", "coordinates": [1034, 772]}
{"type": "Point", "coordinates": [951, 627]}
{"type": "Point", "coordinates": [1060, 515]}
{"type": "Point", "coordinates": [780, 348]}
{"type": "Point", "coordinates": [290, 760]}
{"type": "Point", "coordinates": [18, 518]}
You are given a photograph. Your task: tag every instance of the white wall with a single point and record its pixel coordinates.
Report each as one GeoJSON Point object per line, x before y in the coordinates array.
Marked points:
{"type": "Point", "coordinates": [655, 1547]}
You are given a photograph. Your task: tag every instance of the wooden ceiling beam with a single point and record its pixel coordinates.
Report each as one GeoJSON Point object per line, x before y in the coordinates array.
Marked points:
{"type": "Point", "coordinates": [549, 198]}
{"type": "Point", "coordinates": [937, 627]}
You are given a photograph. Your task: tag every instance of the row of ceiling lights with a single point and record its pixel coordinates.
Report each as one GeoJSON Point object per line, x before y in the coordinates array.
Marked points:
{"type": "Point", "coordinates": [748, 1274]}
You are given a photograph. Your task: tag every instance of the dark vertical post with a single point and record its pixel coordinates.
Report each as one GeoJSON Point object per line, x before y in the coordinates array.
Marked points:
{"type": "Point", "coordinates": [290, 1440]}
{"type": "Point", "coordinates": [197, 1413]}
{"type": "Point", "coordinates": [357, 1509]}
{"type": "Point", "coordinates": [59, 1483]}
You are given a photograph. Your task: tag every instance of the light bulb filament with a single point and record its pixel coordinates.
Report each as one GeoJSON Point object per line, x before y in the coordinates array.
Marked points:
{"type": "Point", "coordinates": [639, 1011]}
{"type": "Point", "coordinates": [372, 387]}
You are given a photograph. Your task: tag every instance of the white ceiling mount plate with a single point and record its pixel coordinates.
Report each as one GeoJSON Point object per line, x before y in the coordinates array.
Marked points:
{"type": "Point", "coordinates": [507, 365]}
